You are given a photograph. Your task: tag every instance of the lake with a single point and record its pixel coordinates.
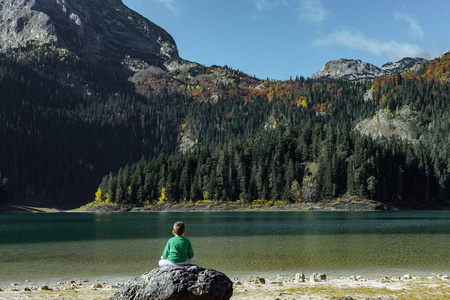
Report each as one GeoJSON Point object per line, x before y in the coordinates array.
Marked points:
{"type": "Point", "coordinates": [118, 246]}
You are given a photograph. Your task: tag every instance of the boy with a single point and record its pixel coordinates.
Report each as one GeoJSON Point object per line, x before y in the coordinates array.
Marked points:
{"type": "Point", "coordinates": [178, 250]}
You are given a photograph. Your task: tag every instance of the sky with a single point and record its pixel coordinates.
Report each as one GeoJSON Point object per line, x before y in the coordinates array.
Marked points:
{"type": "Point", "coordinates": [279, 39]}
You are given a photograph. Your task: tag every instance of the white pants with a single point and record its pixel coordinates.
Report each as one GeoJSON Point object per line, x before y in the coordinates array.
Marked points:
{"type": "Point", "coordinates": [166, 262]}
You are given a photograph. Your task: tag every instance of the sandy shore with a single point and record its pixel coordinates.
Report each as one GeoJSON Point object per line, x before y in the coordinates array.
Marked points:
{"type": "Point", "coordinates": [407, 287]}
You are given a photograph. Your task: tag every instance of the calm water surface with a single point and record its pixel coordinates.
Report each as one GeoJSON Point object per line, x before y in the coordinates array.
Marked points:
{"type": "Point", "coordinates": [118, 246]}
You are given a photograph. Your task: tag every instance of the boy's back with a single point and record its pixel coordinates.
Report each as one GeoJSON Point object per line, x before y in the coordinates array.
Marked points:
{"type": "Point", "coordinates": [178, 249]}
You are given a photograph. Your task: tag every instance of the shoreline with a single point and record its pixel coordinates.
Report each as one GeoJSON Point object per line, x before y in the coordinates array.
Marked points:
{"type": "Point", "coordinates": [345, 204]}
{"type": "Point", "coordinates": [315, 286]}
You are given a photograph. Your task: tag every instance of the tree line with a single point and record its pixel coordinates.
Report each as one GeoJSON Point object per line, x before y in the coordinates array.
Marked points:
{"type": "Point", "coordinates": [308, 163]}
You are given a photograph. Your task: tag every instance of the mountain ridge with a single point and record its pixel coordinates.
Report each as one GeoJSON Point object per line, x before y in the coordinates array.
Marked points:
{"type": "Point", "coordinates": [355, 69]}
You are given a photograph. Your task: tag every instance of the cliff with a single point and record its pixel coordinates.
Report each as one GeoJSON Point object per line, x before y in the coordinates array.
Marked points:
{"type": "Point", "coordinates": [94, 29]}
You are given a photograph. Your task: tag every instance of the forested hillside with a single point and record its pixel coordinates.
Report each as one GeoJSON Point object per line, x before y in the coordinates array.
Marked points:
{"type": "Point", "coordinates": [307, 154]}
{"type": "Point", "coordinates": [67, 123]}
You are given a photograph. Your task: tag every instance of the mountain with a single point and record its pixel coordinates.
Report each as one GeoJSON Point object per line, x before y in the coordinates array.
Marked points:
{"type": "Point", "coordinates": [88, 88]}
{"type": "Point", "coordinates": [355, 69]}
{"type": "Point", "coordinates": [94, 29]}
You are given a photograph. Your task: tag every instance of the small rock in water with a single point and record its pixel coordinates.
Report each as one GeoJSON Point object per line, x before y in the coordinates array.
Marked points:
{"type": "Point", "coordinates": [96, 286]}
{"type": "Point", "coordinates": [27, 289]}
{"type": "Point", "coordinates": [44, 288]}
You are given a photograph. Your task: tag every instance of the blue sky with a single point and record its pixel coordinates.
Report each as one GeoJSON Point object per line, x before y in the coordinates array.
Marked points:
{"type": "Point", "coordinates": [277, 39]}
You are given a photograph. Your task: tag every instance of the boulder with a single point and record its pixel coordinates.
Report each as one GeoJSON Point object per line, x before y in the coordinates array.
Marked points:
{"type": "Point", "coordinates": [177, 282]}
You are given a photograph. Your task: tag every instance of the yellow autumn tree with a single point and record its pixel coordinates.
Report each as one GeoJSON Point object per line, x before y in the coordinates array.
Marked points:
{"type": "Point", "coordinates": [163, 198]}
{"type": "Point", "coordinates": [98, 195]}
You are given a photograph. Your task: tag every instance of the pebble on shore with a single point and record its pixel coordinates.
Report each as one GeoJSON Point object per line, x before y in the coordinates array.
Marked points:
{"type": "Point", "coordinates": [244, 288]}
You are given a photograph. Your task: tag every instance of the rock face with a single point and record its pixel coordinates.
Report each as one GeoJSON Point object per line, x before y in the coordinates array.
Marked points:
{"type": "Point", "coordinates": [177, 282]}
{"type": "Point", "coordinates": [386, 124]}
{"type": "Point", "coordinates": [355, 69]}
{"type": "Point", "coordinates": [94, 29]}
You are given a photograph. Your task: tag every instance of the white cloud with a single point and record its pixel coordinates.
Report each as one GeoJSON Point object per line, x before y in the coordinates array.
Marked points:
{"type": "Point", "coordinates": [392, 50]}
{"type": "Point", "coordinates": [172, 5]}
{"type": "Point", "coordinates": [415, 30]}
{"type": "Point", "coordinates": [312, 11]}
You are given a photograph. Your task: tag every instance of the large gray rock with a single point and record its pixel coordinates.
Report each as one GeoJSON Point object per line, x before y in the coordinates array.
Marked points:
{"type": "Point", "coordinates": [94, 29]}
{"type": "Point", "coordinates": [177, 282]}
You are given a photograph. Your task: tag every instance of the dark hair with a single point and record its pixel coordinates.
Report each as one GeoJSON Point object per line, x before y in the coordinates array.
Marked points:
{"type": "Point", "coordinates": [178, 228]}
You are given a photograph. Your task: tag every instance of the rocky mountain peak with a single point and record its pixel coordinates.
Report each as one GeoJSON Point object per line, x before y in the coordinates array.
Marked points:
{"type": "Point", "coordinates": [402, 65]}
{"type": "Point", "coordinates": [94, 29]}
{"type": "Point", "coordinates": [355, 69]}
{"type": "Point", "coordinates": [347, 69]}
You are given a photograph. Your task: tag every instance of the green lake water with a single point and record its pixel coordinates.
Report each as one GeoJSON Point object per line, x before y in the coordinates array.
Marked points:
{"type": "Point", "coordinates": [118, 246]}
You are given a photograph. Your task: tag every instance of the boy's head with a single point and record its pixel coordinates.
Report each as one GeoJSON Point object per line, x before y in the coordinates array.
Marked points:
{"type": "Point", "coordinates": [179, 229]}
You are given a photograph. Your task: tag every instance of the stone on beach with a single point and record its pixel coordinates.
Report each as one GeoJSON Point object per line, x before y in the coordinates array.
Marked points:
{"type": "Point", "coordinates": [299, 277]}
{"type": "Point", "coordinates": [317, 277]}
{"type": "Point", "coordinates": [96, 286]}
{"type": "Point", "coordinates": [256, 280]}
{"type": "Point", "coordinates": [177, 282]}
{"type": "Point", "coordinates": [406, 277]}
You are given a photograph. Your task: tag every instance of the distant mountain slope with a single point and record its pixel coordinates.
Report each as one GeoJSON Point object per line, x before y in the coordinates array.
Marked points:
{"type": "Point", "coordinates": [94, 29]}
{"type": "Point", "coordinates": [355, 69]}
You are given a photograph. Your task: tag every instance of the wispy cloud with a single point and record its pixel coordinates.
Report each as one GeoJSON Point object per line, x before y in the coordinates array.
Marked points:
{"type": "Point", "coordinates": [392, 50]}
{"type": "Point", "coordinates": [262, 5]}
{"type": "Point", "coordinates": [311, 11]}
{"type": "Point", "coordinates": [415, 30]}
{"type": "Point", "coordinates": [172, 5]}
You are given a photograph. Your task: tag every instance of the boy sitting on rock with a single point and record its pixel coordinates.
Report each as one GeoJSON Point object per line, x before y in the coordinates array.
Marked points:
{"type": "Point", "coordinates": [178, 250]}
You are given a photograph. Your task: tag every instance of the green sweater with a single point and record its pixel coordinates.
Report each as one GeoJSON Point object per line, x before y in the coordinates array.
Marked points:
{"type": "Point", "coordinates": [178, 250]}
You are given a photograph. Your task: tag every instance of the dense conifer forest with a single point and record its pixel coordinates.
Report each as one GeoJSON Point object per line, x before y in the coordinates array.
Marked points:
{"type": "Point", "coordinates": [153, 138]}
